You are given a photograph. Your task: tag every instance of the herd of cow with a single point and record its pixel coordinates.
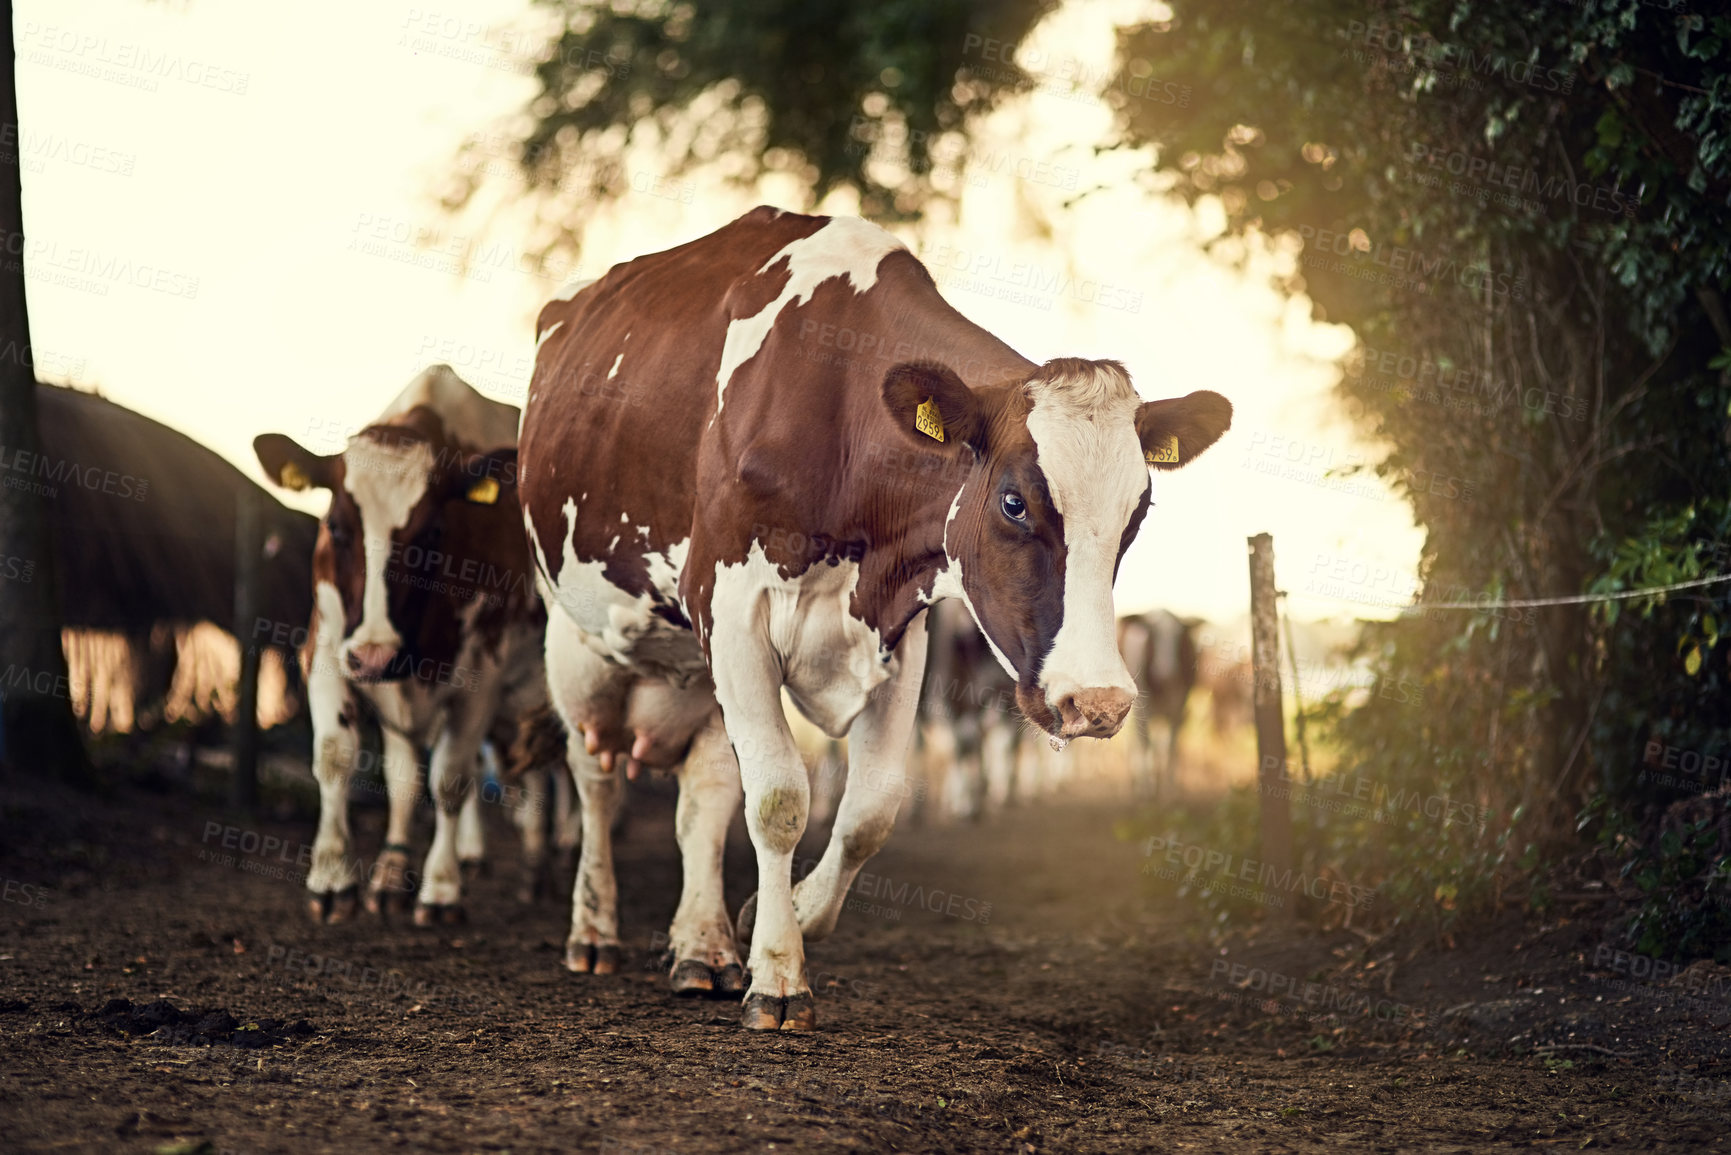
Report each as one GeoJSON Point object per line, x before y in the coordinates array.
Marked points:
{"type": "Point", "coordinates": [696, 512]}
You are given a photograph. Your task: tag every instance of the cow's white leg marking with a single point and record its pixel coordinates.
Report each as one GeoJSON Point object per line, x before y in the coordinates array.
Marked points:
{"type": "Point", "coordinates": [335, 744]}
{"type": "Point", "coordinates": [877, 744]}
{"type": "Point", "coordinates": [471, 838]}
{"type": "Point", "coordinates": [593, 944]}
{"type": "Point", "coordinates": [451, 781]}
{"type": "Point", "coordinates": [390, 882]}
{"type": "Point", "coordinates": [748, 686]}
{"type": "Point", "coordinates": [576, 677]}
{"type": "Point", "coordinates": [702, 935]}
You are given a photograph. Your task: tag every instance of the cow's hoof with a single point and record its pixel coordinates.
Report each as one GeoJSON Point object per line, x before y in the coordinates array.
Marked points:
{"type": "Point", "coordinates": [389, 903]}
{"type": "Point", "coordinates": [391, 890]}
{"type": "Point", "coordinates": [747, 919]}
{"type": "Point", "coordinates": [333, 906]}
{"type": "Point", "coordinates": [587, 958]}
{"type": "Point", "coordinates": [439, 914]}
{"type": "Point", "coordinates": [472, 868]}
{"type": "Point", "coordinates": [768, 1013]}
{"type": "Point", "coordinates": [692, 978]}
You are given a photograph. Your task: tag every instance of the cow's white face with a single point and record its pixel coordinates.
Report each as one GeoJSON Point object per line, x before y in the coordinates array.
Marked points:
{"type": "Point", "coordinates": [387, 484]}
{"type": "Point", "coordinates": [1057, 490]}
{"type": "Point", "coordinates": [382, 547]}
{"type": "Point", "coordinates": [1097, 482]}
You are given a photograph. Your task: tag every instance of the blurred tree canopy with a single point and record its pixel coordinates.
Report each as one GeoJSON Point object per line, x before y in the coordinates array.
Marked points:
{"type": "Point", "coordinates": [806, 86]}
{"type": "Point", "coordinates": [1524, 211]}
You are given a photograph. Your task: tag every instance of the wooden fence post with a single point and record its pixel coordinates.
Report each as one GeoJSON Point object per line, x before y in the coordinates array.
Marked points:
{"type": "Point", "coordinates": [247, 550]}
{"type": "Point", "coordinates": [1271, 776]}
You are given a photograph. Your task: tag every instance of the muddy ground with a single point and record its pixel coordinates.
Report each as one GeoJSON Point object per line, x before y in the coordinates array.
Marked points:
{"type": "Point", "coordinates": [1011, 986]}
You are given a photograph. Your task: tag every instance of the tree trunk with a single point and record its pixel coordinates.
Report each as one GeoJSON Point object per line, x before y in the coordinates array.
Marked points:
{"type": "Point", "coordinates": [38, 734]}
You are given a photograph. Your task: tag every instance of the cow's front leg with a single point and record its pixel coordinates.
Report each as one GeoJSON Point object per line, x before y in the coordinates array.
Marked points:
{"type": "Point", "coordinates": [878, 744]}
{"type": "Point", "coordinates": [777, 795]}
{"type": "Point", "coordinates": [451, 781]}
{"type": "Point", "coordinates": [392, 883]}
{"type": "Point", "coordinates": [705, 959]}
{"type": "Point", "coordinates": [333, 878]}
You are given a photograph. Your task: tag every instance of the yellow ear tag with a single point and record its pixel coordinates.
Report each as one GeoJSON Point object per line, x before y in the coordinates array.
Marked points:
{"type": "Point", "coordinates": [484, 491]}
{"type": "Point", "coordinates": [293, 476]}
{"type": "Point", "coordinates": [1168, 452]}
{"type": "Point", "coordinates": [928, 420]}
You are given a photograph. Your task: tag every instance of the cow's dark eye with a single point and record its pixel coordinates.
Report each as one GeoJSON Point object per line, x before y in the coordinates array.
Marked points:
{"type": "Point", "coordinates": [1014, 507]}
{"type": "Point", "coordinates": [340, 534]}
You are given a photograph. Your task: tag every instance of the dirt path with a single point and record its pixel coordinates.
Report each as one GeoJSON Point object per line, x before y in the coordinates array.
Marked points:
{"type": "Point", "coordinates": [1004, 987]}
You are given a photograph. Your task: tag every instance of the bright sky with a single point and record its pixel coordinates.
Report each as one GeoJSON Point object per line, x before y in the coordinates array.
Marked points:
{"type": "Point", "coordinates": [233, 227]}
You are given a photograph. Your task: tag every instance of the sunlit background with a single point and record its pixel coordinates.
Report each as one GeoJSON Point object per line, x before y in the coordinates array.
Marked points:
{"type": "Point", "coordinates": [230, 231]}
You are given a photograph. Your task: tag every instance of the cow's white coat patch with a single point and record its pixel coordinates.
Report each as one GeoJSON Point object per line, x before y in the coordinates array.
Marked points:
{"type": "Point", "coordinates": [386, 482]}
{"type": "Point", "coordinates": [830, 659]}
{"type": "Point", "coordinates": [541, 338]}
{"type": "Point", "coordinates": [948, 584]}
{"type": "Point", "coordinates": [1085, 441]}
{"type": "Point", "coordinates": [844, 247]}
{"type": "Point", "coordinates": [613, 622]}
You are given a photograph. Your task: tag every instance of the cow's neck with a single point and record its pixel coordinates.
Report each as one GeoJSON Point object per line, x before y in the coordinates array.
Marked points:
{"type": "Point", "coordinates": [901, 569]}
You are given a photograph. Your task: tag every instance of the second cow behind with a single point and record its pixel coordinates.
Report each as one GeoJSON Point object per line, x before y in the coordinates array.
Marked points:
{"type": "Point", "coordinates": [424, 608]}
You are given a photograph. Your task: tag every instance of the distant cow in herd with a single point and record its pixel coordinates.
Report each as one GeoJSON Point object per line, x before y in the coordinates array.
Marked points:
{"type": "Point", "coordinates": [130, 498]}
{"type": "Point", "coordinates": [780, 518]}
{"type": "Point", "coordinates": [425, 615]}
{"type": "Point", "coordinates": [968, 694]}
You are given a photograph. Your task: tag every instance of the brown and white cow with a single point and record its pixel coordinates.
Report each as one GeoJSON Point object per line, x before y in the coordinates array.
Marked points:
{"type": "Point", "coordinates": [750, 464]}
{"type": "Point", "coordinates": [1160, 649]}
{"type": "Point", "coordinates": [424, 605]}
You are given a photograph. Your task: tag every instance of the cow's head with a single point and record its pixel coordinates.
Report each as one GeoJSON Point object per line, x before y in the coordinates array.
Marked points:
{"type": "Point", "coordinates": [391, 493]}
{"type": "Point", "coordinates": [1057, 487]}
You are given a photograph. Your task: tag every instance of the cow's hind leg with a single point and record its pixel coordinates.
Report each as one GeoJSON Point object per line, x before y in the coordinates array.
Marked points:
{"type": "Point", "coordinates": [593, 944]}
{"type": "Point", "coordinates": [531, 820]}
{"type": "Point", "coordinates": [705, 959]}
{"type": "Point", "coordinates": [579, 684]}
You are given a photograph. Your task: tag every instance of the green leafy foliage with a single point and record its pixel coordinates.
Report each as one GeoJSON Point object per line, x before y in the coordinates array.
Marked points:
{"type": "Point", "coordinates": [1523, 211]}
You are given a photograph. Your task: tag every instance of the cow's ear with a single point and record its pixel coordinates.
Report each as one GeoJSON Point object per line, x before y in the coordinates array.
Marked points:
{"type": "Point", "coordinates": [484, 478]}
{"type": "Point", "coordinates": [292, 466]}
{"type": "Point", "coordinates": [1176, 430]}
{"type": "Point", "coordinates": [929, 403]}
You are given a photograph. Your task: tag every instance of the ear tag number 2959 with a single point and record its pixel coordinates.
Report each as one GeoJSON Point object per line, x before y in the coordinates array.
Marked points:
{"type": "Point", "coordinates": [1167, 454]}
{"type": "Point", "coordinates": [928, 420]}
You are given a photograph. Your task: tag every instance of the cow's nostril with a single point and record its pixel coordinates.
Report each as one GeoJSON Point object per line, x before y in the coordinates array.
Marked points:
{"type": "Point", "coordinates": [1093, 713]}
